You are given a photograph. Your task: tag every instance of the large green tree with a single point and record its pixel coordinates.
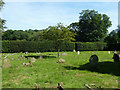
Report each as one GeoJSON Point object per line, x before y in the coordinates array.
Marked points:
{"type": "Point", "coordinates": [93, 26]}
{"type": "Point", "coordinates": [58, 34]}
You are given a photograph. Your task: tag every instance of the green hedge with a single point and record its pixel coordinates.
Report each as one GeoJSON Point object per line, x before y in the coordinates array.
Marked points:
{"type": "Point", "coordinates": [33, 46]}
{"type": "Point", "coordinates": [90, 46]}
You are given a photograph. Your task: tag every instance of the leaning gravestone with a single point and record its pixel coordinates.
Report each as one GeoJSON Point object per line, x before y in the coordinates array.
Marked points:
{"type": "Point", "coordinates": [116, 57]}
{"type": "Point", "coordinates": [93, 60]}
{"type": "Point", "coordinates": [6, 63]}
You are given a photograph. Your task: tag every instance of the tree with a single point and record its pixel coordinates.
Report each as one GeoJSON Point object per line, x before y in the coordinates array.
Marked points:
{"type": "Point", "coordinates": [118, 31]}
{"type": "Point", "coordinates": [37, 36]}
{"type": "Point", "coordinates": [2, 22]}
{"type": "Point", "coordinates": [15, 35]}
{"type": "Point", "coordinates": [58, 34]}
{"type": "Point", "coordinates": [74, 26]}
{"type": "Point", "coordinates": [112, 38]}
{"type": "Point", "coordinates": [93, 26]}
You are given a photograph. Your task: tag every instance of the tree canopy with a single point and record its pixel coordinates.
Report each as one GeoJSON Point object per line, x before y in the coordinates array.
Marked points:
{"type": "Point", "coordinates": [93, 26]}
{"type": "Point", "coordinates": [112, 38]}
{"type": "Point", "coordinates": [58, 34]}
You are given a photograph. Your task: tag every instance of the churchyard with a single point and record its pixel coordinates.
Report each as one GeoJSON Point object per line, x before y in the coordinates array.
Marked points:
{"type": "Point", "coordinates": [46, 70]}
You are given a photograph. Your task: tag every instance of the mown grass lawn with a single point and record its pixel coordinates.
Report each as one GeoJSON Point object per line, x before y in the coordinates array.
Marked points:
{"type": "Point", "coordinates": [74, 73]}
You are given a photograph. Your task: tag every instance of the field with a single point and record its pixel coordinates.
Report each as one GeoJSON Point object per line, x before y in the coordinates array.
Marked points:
{"type": "Point", "coordinates": [74, 72]}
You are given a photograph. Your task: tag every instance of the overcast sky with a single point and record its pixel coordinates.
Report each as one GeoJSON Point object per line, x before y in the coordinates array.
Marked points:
{"type": "Point", "coordinates": [39, 15]}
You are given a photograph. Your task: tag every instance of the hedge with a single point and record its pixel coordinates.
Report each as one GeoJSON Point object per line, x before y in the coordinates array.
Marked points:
{"type": "Point", "coordinates": [90, 46]}
{"type": "Point", "coordinates": [32, 46]}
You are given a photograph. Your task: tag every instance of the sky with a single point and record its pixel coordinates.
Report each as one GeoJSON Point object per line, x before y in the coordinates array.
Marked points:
{"type": "Point", "coordinates": [39, 15]}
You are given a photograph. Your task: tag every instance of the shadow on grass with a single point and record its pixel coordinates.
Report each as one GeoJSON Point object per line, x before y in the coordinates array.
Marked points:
{"type": "Point", "coordinates": [38, 56]}
{"type": "Point", "coordinates": [102, 67]}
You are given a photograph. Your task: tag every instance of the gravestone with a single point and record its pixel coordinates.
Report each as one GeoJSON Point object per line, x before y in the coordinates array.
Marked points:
{"type": "Point", "coordinates": [93, 59]}
{"type": "Point", "coordinates": [74, 50]}
{"type": "Point", "coordinates": [78, 52]}
{"type": "Point", "coordinates": [116, 57]}
{"type": "Point", "coordinates": [26, 53]}
{"type": "Point", "coordinates": [108, 52]}
{"type": "Point", "coordinates": [6, 63]}
{"type": "Point", "coordinates": [64, 54]}
{"type": "Point", "coordinates": [33, 59]}
{"type": "Point", "coordinates": [60, 60]}
{"type": "Point", "coordinates": [41, 57]}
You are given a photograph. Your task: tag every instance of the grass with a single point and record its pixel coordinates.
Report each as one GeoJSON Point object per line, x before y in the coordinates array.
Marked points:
{"type": "Point", "coordinates": [48, 73]}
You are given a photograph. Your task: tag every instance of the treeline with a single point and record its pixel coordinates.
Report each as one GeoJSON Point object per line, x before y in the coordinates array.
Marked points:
{"type": "Point", "coordinates": [35, 35]}
{"type": "Point", "coordinates": [91, 27]}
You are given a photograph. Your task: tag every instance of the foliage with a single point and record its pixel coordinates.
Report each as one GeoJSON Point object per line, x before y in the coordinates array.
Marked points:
{"type": "Point", "coordinates": [93, 26]}
{"type": "Point", "coordinates": [74, 26]}
{"type": "Point", "coordinates": [2, 22]}
{"type": "Point", "coordinates": [112, 38]}
{"type": "Point", "coordinates": [15, 35]}
{"type": "Point", "coordinates": [58, 34]}
{"type": "Point", "coordinates": [1, 4]}
{"type": "Point", "coordinates": [90, 46]}
{"type": "Point", "coordinates": [34, 46]}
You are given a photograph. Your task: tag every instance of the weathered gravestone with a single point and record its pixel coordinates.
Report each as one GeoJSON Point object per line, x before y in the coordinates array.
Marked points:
{"type": "Point", "coordinates": [60, 60]}
{"type": "Point", "coordinates": [41, 57]}
{"type": "Point", "coordinates": [64, 54]}
{"type": "Point", "coordinates": [116, 57]}
{"type": "Point", "coordinates": [6, 63]}
{"type": "Point", "coordinates": [33, 59]}
{"type": "Point", "coordinates": [74, 50]}
{"type": "Point", "coordinates": [93, 60]}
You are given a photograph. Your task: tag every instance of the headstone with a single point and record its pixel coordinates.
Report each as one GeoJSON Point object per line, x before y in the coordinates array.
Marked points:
{"type": "Point", "coordinates": [60, 86]}
{"type": "Point", "coordinates": [115, 51]}
{"type": "Point", "coordinates": [33, 59]}
{"type": "Point", "coordinates": [41, 57]}
{"type": "Point", "coordinates": [119, 56]}
{"type": "Point", "coordinates": [93, 59]}
{"type": "Point", "coordinates": [108, 52]}
{"type": "Point", "coordinates": [116, 57]}
{"type": "Point", "coordinates": [12, 58]}
{"type": "Point", "coordinates": [61, 60]}
{"type": "Point", "coordinates": [26, 53]}
{"type": "Point", "coordinates": [74, 50]}
{"type": "Point", "coordinates": [6, 63]}
{"type": "Point", "coordinates": [64, 54]}
{"type": "Point", "coordinates": [78, 52]}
